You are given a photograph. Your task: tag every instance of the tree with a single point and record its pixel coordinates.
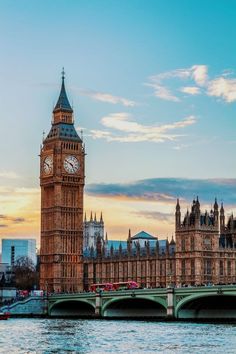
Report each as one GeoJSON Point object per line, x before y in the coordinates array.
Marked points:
{"type": "Point", "coordinates": [25, 274]}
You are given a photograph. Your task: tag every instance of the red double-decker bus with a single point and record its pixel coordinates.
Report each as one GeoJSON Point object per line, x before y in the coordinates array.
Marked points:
{"type": "Point", "coordinates": [101, 287]}
{"type": "Point", "coordinates": [126, 285]}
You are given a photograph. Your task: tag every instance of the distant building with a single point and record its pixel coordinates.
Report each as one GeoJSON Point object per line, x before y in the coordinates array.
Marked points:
{"type": "Point", "coordinates": [203, 252]}
{"type": "Point", "coordinates": [12, 249]}
{"type": "Point", "coordinates": [5, 274]}
{"type": "Point", "coordinates": [93, 229]}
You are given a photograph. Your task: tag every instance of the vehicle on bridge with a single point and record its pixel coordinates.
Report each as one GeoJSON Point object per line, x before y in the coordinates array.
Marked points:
{"type": "Point", "coordinates": [127, 285]}
{"type": "Point", "coordinates": [114, 286]}
{"type": "Point", "coordinates": [101, 287]}
{"type": "Point", "coordinates": [4, 315]}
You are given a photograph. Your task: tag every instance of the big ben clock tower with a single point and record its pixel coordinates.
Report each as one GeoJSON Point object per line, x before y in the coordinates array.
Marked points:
{"type": "Point", "coordinates": [62, 183]}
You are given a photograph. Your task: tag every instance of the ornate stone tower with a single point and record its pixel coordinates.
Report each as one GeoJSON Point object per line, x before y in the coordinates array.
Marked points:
{"type": "Point", "coordinates": [197, 241]}
{"type": "Point", "coordinates": [62, 184]}
{"type": "Point", "coordinates": [92, 229]}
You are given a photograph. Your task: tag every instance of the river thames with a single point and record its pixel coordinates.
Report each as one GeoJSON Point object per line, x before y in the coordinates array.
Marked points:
{"type": "Point", "coordinates": [95, 336]}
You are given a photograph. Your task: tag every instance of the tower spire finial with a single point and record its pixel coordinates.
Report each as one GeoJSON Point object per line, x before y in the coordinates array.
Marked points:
{"type": "Point", "coordinates": [63, 103]}
{"type": "Point", "coordinates": [63, 74]}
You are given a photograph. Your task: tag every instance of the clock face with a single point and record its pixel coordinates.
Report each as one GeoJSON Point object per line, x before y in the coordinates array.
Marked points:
{"type": "Point", "coordinates": [71, 164]}
{"type": "Point", "coordinates": [48, 165]}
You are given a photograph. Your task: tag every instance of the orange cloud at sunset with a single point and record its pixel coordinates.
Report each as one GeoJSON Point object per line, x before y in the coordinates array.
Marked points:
{"type": "Point", "coordinates": [121, 214]}
{"type": "Point", "coordinates": [19, 212]}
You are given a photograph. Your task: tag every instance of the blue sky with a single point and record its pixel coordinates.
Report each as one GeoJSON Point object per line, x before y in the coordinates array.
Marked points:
{"type": "Point", "coordinates": [153, 85]}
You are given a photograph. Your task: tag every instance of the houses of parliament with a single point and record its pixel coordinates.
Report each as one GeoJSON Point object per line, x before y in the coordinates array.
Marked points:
{"type": "Point", "coordinates": [74, 252]}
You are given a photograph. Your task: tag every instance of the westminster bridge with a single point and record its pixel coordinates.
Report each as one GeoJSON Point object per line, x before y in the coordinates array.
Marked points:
{"type": "Point", "coordinates": [208, 302]}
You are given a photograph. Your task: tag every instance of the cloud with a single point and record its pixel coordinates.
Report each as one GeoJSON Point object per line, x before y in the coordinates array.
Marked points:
{"type": "Point", "coordinates": [8, 174]}
{"type": "Point", "coordinates": [196, 73]}
{"type": "Point", "coordinates": [119, 123]}
{"type": "Point", "coordinates": [107, 97]}
{"type": "Point", "coordinates": [3, 216]}
{"type": "Point", "coordinates": [199, 74]}
{"type": "Point", "coordinates": [159, 216]}
{"type": "Point", "coordinates": [224, 88]}
{"type": "Point", "coordinates": [163, 92]}
{"type": "Point", "coordinates": [190, 90]}
{"type": "Point", "coordinates": [167, 190]}
{"type": "Point", "coordinates": [20, 211]}
{"type": "Point", "coordinates": [16, 220]}
{"type": "Point", "coordinates": [180, 147]}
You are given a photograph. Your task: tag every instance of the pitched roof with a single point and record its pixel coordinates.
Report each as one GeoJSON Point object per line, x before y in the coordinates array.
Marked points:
{"type": "Point", "coordinates": [116, 244]}
{"type": "Point", "coordinates": [64, 131]}
{"type": "Point", "coordinates": [143, 236]}
{"type": "Point", "coordinates": [63, 102]}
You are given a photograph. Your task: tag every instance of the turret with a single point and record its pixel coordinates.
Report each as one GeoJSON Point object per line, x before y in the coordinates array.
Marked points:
{"type": "Point", "coordinates": [129, 242]}
{"type": "Point", "coordinates": [222, 219]}
{"type": "Point", "coordinates": [216, 213]}
{"type": "Point", "coordinates": [177, 215]}
{"type": "Point", "coordinates": [111, 250]}
{"type": "Point", "coordinates": [187, 221]}
{"type": "Point", "coordinates": [172, 242]}
{"type": "Point", "coordinates": [120, 249]}
{"type": "Point", "coordinates": [101, 218]}
{"type": "Point", "coordinates": [197, 213]}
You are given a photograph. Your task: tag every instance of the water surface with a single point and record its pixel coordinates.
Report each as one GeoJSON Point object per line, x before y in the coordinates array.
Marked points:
{"type": "Point", "coordinates": [45, 336]}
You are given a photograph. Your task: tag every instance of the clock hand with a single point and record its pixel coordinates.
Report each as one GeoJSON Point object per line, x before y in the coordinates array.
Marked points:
{"type": "Point", "coordinates": [69, 163]}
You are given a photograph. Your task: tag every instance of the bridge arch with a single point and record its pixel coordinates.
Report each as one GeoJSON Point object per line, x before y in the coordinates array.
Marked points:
{"type": "Point", "coordinates": [71, 308]}
{"type": "Point", "coordinates": [207, 306]}
{"type": "Point", "coordinates": [127, 306]}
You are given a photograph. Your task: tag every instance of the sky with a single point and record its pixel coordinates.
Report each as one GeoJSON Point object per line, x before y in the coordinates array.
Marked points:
{"type": "Point", "coordinates": [153, 87]}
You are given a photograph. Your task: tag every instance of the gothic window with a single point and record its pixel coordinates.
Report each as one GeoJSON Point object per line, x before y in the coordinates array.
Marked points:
{"type": "Point", "coordinates": [125, 270]}
{"type": "Point", "coordinates": [171, 267]}
{"type": "Point", "coordinates": [192, 243]}
{"type": "Point", "coordinates": [229, 267]}
{"type": "Point", "coordinates": [221, 268]}
{"type": "Point", "coordinates": [134, 272]}
{"type": "Point", "coordinates": [207, 266]}
{"type": "Point", "coordinates": [143, 269]}
{"type": "Point", "coordinates": [183, 266]}
{"type": "Point", "coordinates": [207, 243]}
{"type": "Point", "coordinates": [183, 244]}
{"type": "Point", "coordinates": [108, 271]}
{"type": "Point", "coordinates": [192, 266]}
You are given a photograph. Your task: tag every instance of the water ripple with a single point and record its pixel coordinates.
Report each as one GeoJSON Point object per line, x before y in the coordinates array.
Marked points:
{"type": "Point", "coordinates": [60, 336]}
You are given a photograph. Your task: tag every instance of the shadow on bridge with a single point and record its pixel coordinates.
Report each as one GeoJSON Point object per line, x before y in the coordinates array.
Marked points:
{"type": "Point", "coordinates": [134, 308]}
{"type": "Point", "coordinates": [71, 308]}
{"type": "Point", "coordinates": [207, 307]}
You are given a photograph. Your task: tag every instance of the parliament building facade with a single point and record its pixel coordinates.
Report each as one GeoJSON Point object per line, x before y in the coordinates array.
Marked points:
{"type": "Point", "coordinates": [74, 253]}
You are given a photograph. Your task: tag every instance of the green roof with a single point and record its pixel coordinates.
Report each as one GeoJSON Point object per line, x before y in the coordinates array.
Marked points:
{"type": "Point", "coordinates": [143, 236]}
